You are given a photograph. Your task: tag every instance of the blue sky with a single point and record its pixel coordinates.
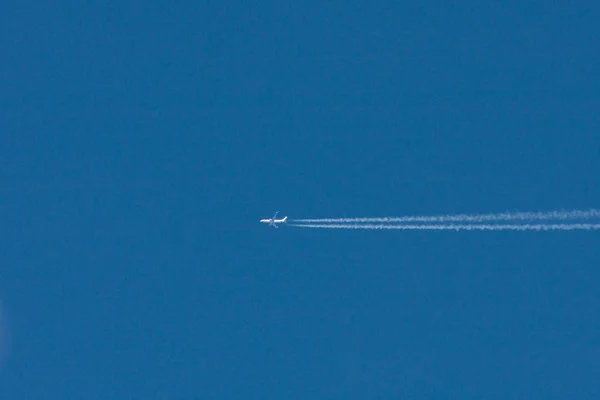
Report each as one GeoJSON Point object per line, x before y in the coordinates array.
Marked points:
{"type": "Point", "coordinates": [141, 143]}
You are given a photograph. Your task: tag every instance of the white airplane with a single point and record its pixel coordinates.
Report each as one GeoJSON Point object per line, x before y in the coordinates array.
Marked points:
{"type": "Point", "coordinates": [274, 221]}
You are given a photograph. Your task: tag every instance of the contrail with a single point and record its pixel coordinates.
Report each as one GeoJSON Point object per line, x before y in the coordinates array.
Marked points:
{"type": "Point", "coordinates": [458, 227]}
{"type": "Point", "coordinates": [498, 217]}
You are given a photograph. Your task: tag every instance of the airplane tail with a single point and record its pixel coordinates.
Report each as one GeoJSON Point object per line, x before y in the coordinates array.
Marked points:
{"type": "Point", "coordinates": [285, 219]}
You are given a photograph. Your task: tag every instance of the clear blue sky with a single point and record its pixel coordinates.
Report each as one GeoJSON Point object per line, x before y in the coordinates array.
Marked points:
{"type": "Point", "coordinates": [142, 142]}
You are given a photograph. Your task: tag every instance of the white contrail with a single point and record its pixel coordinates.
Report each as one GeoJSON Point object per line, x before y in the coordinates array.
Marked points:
{"type": "Point", "coordinates": [506, 216]}
{"type": "Point", "coordinates": [458, 227]}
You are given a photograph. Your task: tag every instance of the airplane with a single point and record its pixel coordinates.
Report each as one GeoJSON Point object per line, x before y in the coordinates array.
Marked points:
{"type": "Point", "coordinates": [273, 221]}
